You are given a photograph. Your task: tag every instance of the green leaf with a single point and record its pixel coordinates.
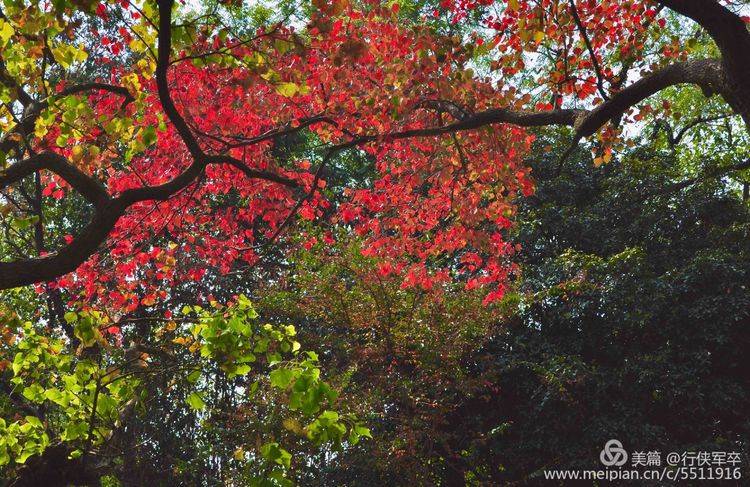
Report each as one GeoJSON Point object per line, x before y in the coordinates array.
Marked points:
{"type": "Point", "coordinates": [57, 397]}
{"type": "Point", "coordinates": [195, 401]}
{"type": "Point", "coordinates": [4, 457]}
{"type": "Point", "coordinates": [34, 393]}
{"type": "Point", "coordinates": [25, 454]}
{"type": "Point", "coordinates": [74, 430]}
{"type": "Point", "coordinates": [24, 222]}
{"type": "Point", "coordinates": [274, 453]}
{"type": "Point", "coordinates": [331, 416]}
{"type": "Point", "coordinates": [362, 431]}
{"type": "Point", "coordinates": [70, 317]}
{"type": "Point", "coordinates": [242, 369]}
{"type": "Point", "coordinates": [33, 420]}
{"type": "Point", "coordinates": [149, 135]}
{"type": "Point", "coordinates": [281, 378]}
{"type": "Point", "coordinates": [194, 376]}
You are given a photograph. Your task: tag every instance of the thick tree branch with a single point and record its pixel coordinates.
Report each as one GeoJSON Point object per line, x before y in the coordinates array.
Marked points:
{"type": "Point", "coordinates": [481, 119]}
{"type": "Point", "coordinates": [29, 271]}
{"type": "Point", "coordinates": [89, 187]}
{"type": "Point", "coordinates": [731, 35]}
{"type": "Point", "coordinates": [726, 28]}
{"type": "Point", "coordinates": [706, 73]}
{"type": "Point", "coordinates": [162, 83]}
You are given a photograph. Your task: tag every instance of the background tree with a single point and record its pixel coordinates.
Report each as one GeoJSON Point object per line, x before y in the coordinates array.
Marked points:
{"type": "Point", "coordinates": [629, 322]}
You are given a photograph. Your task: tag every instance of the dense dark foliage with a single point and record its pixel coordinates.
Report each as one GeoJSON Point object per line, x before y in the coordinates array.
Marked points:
{"type": "Point", "coordinates": [631, 322]}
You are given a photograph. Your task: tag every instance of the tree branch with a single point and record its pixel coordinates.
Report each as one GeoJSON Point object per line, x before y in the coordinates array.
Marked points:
{"type": "Point", "coordinates": [718, 172]}
{"type": "Point", "coordinates": [89, 187]}
{"type": "Point", "coordinates": [706, 73]}
{"type": "Point", "coordinates": [34, 109]}
{"type": "Point", "coordinates": [587, 41]}
{"type": "Point", "coordinates": [730, 33]}
{"type": "Point", "coordinates": [162, 84]}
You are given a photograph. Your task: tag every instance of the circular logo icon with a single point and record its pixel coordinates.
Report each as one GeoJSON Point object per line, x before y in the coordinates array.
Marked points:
{"type": "Point", "coordinates": [613, 454]}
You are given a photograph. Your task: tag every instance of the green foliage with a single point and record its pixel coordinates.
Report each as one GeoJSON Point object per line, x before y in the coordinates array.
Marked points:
{"type": "Point", "coordinates": [85, 397]}
{"type": "Point", "coordinates": [21, 439]}
{"type": "Point", "coordinates": [235, 339]}
{"type": "Point", "coordinates": [631, 323]}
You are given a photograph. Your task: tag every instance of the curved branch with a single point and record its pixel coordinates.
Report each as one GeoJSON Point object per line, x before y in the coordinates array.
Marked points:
{"type": "Point", "coordinates": [162, 84]}
{"type": "Point", "coordinates": [127, 97]}
{"type": "Point", "coordinates": [480, 119]}
{"type": "Point", "coordinates": [677, 138]}
{"type": "Point", "coordinates": [706, 73]}
{"type": "Point", "coordinates": [731, 35]}
{"type": "Point", "coordinates": [288, 129]}
{"type": "Point", "coordinates": [714, 173]}
{"type": "Point", "coordinates": [10, 82]}
{"type": "Point", "coordinates": [250, 172]}
{"type": "Point", "coordinates": [29, 271]}
{"type": "Point", "coordinates": [726, 28]}
{"type": "Point", "coordinates": [34, 109]}
{"type": "Point", "coordinates": [89, 187]}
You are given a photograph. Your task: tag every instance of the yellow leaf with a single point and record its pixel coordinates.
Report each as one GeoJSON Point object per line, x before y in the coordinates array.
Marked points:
{"type": "Point", "coordinates": [132, 83]}
{"type": "Point", "coordinates": [538, 36]}
{"type": "Point", "coordinates": [6, 31]}
{"type": "Point", "coordinates": [76, 153]}
{"type": "Point", "coordinates": [287, 89]}
{"type": "Point", "coordinates": [598, 161]}
{"type": "Point", "coordinates": [513, 5]}
{"type": "Point", "coordinates": [40, 129]}
{"type": "Point", "coordinates": [292, 425]}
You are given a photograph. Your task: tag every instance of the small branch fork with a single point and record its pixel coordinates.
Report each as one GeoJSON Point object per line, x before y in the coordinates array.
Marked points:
{"type": "Point", "coordinates": [589, 47]}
